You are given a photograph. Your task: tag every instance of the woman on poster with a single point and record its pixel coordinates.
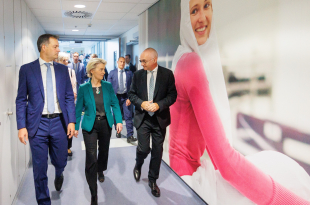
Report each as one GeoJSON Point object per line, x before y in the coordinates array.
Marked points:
{"type": "Point", "coordinates": [200, 120]}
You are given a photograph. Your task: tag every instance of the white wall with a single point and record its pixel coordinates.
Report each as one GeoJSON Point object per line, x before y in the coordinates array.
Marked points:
{"type": "Point", "coordinates": [19, 30]}
{"type": "Point", "coordinates": [110, 47]}
{"type": "Point", "coordinates": [126, 38]}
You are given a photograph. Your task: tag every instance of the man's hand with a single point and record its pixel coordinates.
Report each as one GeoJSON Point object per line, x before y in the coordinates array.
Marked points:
{"type": "Point", "coordinates": [23, 135]}
{"type": "Point", "coordinates": [76, 133]}
{"type": "Point", "coordinates": [153, 107]}
{"type": "Point", "coordinates": [146, 104]}
{"type": "Point", "coordinates": [71, 129]}
{"type": "Point", "coordinates": [119, 127]}
{"type": "Point", "coordinates": [75, 95]}
{"type": "Point", "coordinates": [128, 102]}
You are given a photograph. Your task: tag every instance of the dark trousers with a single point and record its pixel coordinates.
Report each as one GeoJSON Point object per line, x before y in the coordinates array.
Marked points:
{"type": "Point", "coordinates": [70, 142]}
{"type": "Point", "coordinates": [102, 132]}
{"type": "Point", "coordinates": [150, 126]}
{"type": "Point", "coordinates": [127, 112]}
{"type": "Point", "coordinates": [51, 137]}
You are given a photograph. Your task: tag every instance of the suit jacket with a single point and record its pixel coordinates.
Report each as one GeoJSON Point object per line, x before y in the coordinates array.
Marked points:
{"type": "Point", "coordinates": [30, 96]}
{"type": "Point", "coordinates": [132, 68]}
{"type": "Point", "coordinates": [81, 75]}
{"type": "Point", "coordinates": [113, 79]}
{"type": "Point", "coordinates": [86, 99]}
{"type": "Point", "coordinates": [106, 75]}
{"type": "Point", "coordinates": [165, 94]}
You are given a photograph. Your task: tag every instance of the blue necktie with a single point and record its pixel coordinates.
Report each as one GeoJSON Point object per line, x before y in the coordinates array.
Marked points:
{"type": "Point", "coordinates": [151, 90]}
{"type": "Point", "coordinates": [49, 89]}
{"type": "Point", "coordinates": [121, 83]}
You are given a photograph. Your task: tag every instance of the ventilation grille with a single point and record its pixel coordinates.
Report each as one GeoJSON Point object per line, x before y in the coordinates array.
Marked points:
{"type": "Point", "coordinates": [78, 14]}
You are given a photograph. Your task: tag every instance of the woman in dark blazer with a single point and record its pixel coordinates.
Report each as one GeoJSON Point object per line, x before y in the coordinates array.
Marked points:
{"type": "Point", "coordinates": [97, 97]}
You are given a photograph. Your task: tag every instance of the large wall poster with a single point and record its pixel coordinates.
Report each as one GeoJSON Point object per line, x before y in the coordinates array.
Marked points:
{"type": "Point", "coordinates": [250, 85]}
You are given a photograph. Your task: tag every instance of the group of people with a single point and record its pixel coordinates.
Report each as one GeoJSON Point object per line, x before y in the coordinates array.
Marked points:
{"type": "Point", "coordinates": [48, 116]}
{"type": "Point", "coordinates": [195, 92]}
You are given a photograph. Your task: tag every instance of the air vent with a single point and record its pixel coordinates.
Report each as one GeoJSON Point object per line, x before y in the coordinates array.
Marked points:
{"type": "Point", "coordinates": [78, 14]}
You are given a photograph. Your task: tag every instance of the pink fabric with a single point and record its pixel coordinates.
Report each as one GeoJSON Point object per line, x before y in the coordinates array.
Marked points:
{"type": "Point", "coordinates": [196, 126]}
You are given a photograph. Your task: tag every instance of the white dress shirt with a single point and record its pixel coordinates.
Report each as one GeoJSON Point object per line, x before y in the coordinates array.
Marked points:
{"type": "Point", "coordinates": [149, 74]}
{"type": "Point", "coordinates": [124, 80]}
{"type": "Point", "coordinates": [43, 73]}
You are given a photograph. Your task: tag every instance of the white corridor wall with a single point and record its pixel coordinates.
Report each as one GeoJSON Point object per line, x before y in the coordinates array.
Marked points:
{"type": "Point", "coordinates": [19, 30]}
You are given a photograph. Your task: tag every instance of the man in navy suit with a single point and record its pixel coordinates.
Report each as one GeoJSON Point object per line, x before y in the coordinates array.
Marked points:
{"type": "Point", "coordinates": [80, 71]}
{"type": "Point", "coordinates": [121, 81]}
{"type": "Point", "coordinates": [45, 114]}
{"type": "Point", "coordinates": [129, 65]}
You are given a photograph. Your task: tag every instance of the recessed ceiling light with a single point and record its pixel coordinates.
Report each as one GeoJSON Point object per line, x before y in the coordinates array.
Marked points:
{"type": "Point", "coordinates": [79, 6]}
{"type": "Point", "coordinates": [75, 30]}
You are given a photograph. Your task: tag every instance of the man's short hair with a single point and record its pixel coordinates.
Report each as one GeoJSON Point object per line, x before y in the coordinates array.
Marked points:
{"type": "Point", "coordinates": [75, 53]}
{"type": "Point", "coordinates": [44, 40]}
{"type": "Point", "coordinates": [120, 58]}
{"type": "Point", "coordinates": [94, 55]}
{"type": "Point", "coordinates": [128, 55]}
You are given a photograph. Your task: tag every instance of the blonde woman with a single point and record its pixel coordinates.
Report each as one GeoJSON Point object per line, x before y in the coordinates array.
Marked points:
{"type": "Point", "coordinates": [97, 97]}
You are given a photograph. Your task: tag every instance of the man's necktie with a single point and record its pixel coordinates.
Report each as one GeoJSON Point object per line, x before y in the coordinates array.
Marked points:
{"type": "Point", "coordinates": [121, 82]}
{"type": "Point", "coordinates": [151, 90]}
{"type": "Point", "coordinates": [49, 89]}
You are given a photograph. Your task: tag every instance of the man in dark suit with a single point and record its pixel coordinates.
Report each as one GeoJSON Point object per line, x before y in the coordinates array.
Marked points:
{"type": "Point", "coordinates": [45, 113]}
{"type": "Point", "coordinates": [129, 65]}
{"type": "Point", "coordinates": [152, 92]}
{"type": "Point", "coordinates": [120, 79]}
{"type": "Point", "coordinates": [80, 71]}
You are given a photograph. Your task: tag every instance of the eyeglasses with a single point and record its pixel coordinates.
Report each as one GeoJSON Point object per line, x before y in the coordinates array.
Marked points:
{"type": "Point", "coordinates": [144, 61]}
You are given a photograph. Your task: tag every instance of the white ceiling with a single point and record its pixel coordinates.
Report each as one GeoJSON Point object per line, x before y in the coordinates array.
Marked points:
{"type": "Point", "coordinates": [110, 17]}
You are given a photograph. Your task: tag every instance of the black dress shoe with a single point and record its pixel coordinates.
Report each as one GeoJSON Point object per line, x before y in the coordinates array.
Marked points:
{"type": "Point", "coordinates": [154, 188]}
{"type": "Point", "coordinates": [131, 139]}
{"type": "Point", "coordinates": [137, 173]}
{"type": "Point", "coordinates": [118, 135]}
{"type": "Point", "coordinates": [58, 182]}
{"type": "Point", "coordinates": [94, 200]}
{"type": "Point", "coordinates": [101, 177]}
{"type": "Point", "coordinates": [69, 153]}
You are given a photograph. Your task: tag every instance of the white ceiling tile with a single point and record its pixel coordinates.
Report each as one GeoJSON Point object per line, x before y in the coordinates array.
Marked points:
{"type": "Point", "coordinates": [94, 33]}
{"type": "Point", "coordinates": [116, 7]}
{"type": "Point", "coordinates": [49, 20]}
{"type": "Point", "coordinates": [139, 8]}
{"type": "Point", "coordinates": [99, 29]}
{"type": "Point", "coordinates": [46, 13]}
{"type": "Point", "coordinates": [83, 0]}
{"type": "Point", "coordinates": [43, 4]}
{"type": "Point", "coordinates": [69, 6]}
{"type": "Point", "coordinates": [127, 23]}
{"type": "Point", "coordinates": [56, 32]}
{"type": "Point", "coordinates": [79, 23]}
{"type": "Point", "coordinates": [106, 15]}
{"type": "Point", "coordinates": [148, 1]}
{"type": "Point", "coordinates": [131, 16]}
{"type": "Point", "coordinates": [52, 25]}
{"type": "Point", "coordinates": [98, 23]}
{"type": "Point", "coordinates": [122, 1]}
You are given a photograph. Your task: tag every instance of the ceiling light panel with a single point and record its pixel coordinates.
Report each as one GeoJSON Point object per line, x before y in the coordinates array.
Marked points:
{"type": "Point", "coordinates": [89, 6]}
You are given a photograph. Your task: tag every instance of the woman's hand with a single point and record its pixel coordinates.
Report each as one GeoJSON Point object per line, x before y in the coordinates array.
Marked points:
{"type": "Point", "coordinates": [76, 132]}
{"type": "Point", "coordinates": [119, 127]}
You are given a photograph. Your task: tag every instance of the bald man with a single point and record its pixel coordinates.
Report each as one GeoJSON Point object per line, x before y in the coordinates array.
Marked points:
{"type": "Point", "coordinates": [152, 92]}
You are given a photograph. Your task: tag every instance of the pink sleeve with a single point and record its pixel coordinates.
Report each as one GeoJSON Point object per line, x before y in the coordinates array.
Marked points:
{"type": "Point", "coordinates": [234, 167]}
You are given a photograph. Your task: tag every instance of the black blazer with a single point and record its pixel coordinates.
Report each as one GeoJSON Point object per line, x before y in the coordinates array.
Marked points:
{"type": "Point", "coordinates": [132, 68]}
{"type": "Point", "coordinates": [165, 94]}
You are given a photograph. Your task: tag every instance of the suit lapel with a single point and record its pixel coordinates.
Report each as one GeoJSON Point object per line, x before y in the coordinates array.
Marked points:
{"type": "Point", "coordinates": [144, 85]}
{"type": "Point", "coordinates": [105, 94]}
{"type": "Point", "coordinates": [36, 68]}
{"type": "Point", "coordinates": [58, 79]}
{"type": "Point", "coordinates": [116, 79]}
{"type": "Point", "coordinates": [90, 90]}
{"type": "Point", "coordinates": [157, 84]}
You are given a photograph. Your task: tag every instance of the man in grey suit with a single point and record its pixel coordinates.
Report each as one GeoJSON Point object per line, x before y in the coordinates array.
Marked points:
{"type": "Point", "coordinates": [79, 69]}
